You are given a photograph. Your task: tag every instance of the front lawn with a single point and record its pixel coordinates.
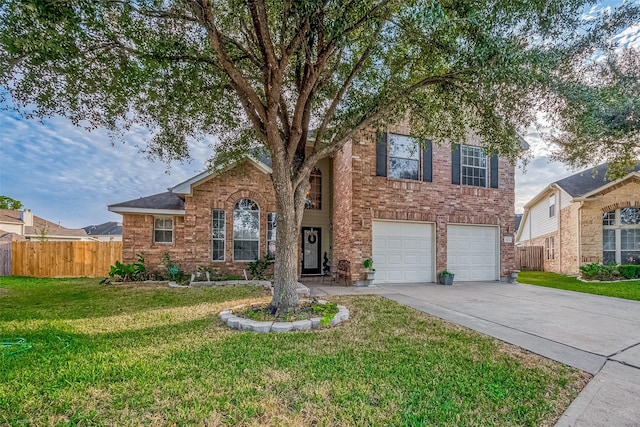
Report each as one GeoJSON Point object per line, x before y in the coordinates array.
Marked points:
{"type": "Point", "coordinates": [626, 289]}
{"type": "Point", "coordinates": [135, 355]}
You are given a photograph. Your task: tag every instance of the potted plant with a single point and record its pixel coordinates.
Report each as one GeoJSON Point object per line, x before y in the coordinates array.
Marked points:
{"type": "Point", "coordinates": [446, 277]}
{"type": "Point", "coordinates": [368, 267]}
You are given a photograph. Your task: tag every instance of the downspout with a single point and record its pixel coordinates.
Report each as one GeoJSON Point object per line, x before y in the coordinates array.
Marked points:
{"type": "Point", "coordinates": [559, 224]}
{"type": "Point", "coordinates": [579, 244]}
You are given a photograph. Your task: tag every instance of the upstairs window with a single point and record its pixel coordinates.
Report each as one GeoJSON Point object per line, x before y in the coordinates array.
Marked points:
{"type": "Point", "coordinates": [474, 166]}
{"type": "Point", "coordinates": [403, 157]}
{"type": "Point", "coordinates": [246, 230]}
{"type": "Point", "coordinates": [314, 197]}
{"type": "Point", "coordinates": [163, 230]}
{"type": "Point", "coordinates": [552, 206]}
{"type": "Point", "coordinates": [218, 235]}
{"type": "Point", "coordinates": [471, 166]}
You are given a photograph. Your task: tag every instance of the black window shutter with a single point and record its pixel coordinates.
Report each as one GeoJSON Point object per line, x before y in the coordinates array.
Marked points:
{"type": "Point", "coordinates": [493, 166]}
{"type": "Point", "coordinates": [455, 164]}
{"type": "Point", "coordinates": [381, 154]}
{"type": "Point", "coordinates": [427, 162]}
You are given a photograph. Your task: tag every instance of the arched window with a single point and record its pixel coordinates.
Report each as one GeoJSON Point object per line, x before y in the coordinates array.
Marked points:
{"type": "Point", "coordinates": [246, 230]}
{"type": "Point", "coordinates": [621, 236]}
{"type": "Point", "coordinates": [314, 197]}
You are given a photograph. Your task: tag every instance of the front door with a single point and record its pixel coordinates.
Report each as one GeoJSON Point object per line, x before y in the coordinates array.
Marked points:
{"type": "Point", "coordinates": [311, 250]}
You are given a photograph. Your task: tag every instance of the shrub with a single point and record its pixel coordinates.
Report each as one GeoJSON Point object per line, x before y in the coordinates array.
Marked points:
{"type": "Point", "coordinates": [603, 272]}
{"type": "Point", "coordinates": [173, 271]}
{"type": "Point", "coordinates": [259, 267]}
{"type": "Point", "coordinates": [128, 272]}
{"type": "Point", "coordinates": [629, 271]}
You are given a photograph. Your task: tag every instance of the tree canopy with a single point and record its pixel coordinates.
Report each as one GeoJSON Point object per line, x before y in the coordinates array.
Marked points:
{"type": "Point", "coordinates": [243, 69]}
{"type": "Point", "coordinates": [7, 202]}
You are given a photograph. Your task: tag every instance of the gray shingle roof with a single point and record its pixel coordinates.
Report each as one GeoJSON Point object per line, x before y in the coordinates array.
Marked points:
{"type": "Point", "coordinates": [166, 200]}
{"type": "Point", "coordinates": [111, 228]}
{"type": "Point", "coordinates": [586, 181]}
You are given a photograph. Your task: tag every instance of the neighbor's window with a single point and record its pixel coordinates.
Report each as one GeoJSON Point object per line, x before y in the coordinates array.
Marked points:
{"type": "Point", "coordinates": [246, 230]}
{"type": "Point", "coordinates": [163, 230]}
{"type": "Point", "coordinates": [621, 236]}
{"type": "Point", "coordinates": [474, 166]}
{"type": "Point", "coordinates": [550, 247]}
{"type": "Point", "coordinates": [552, 206]}
{"type": "Point", "coordinates": [271, 233]}
{"type": "Point", "coordinates": [218, 234]}
{"type": "Point", "coordinates": [404, 157]}
{"type": "Point", "coordinates": [314, 197]}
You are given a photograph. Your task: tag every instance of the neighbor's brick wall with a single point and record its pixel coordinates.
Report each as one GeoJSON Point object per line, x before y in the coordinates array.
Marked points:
{"type": "Point", "coordinates": [548, 264]}
{"type": "Point", "coordinates": [569, 232]}
{"type": "Point", "coordinates": [438, 201]}
{"type": "Point", "coordinates": [192, 233]}
{"type": "Point", "coordinates": [622, 195]}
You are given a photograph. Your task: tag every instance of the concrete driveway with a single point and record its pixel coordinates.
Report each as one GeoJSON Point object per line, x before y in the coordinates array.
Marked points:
{"type": "Point", "coordinates": [600, 335]}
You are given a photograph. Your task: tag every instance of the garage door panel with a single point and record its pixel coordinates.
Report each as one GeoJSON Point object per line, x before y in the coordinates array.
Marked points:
{"type": "Point", "coordinates": [472, 252]}
{"type": "Point", "coordinates": [402, 252]}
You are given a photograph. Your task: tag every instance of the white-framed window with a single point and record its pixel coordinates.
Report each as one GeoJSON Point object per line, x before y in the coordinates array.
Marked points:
{"type": "Point", "coordinates": [404, 157]}
{"type": "Point", "coordinates": [218, 234]}
{"type": "Point", "coordinates": [271, 233]}
{"type": "Point", "coordinates": [314, 196]}
{"type": "Point", "coordinates": [163, 230]}
{"type": "Point", "coordinates": [246, 231]}
{"type": "Point", "coordinates": [621, 236]}
{"type": "Point", "coordinates": [550, 248]}
{"type": "Point", "coordinates": [473, 162]}
{"type": "Point", "coordinates": [552, 206]}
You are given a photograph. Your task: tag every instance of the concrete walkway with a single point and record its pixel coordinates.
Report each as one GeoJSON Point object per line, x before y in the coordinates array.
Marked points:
{"type": "Point", "coordinates": [599, 335]}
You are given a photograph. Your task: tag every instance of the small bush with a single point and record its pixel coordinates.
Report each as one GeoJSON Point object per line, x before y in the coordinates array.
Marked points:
{"type": "Point", "coordinates": [259, 267]}
{"type": "Point", "coordinates": [128, 272]}
{"type": "Point", "coordinates": [602, 272]}
{"type": "Point", "coordinates": [629, 271]}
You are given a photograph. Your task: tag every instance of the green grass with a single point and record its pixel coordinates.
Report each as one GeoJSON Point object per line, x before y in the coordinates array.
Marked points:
{"type": "Point", "coordinates": [626, 289]}
{"type": "Point", "coordinates": [136, 355]}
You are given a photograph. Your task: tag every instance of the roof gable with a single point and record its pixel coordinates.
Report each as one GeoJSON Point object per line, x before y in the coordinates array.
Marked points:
{"type": "Point", "coordinates": [186, 187]}
{"type": "Point", "coordinates": [589, 181]}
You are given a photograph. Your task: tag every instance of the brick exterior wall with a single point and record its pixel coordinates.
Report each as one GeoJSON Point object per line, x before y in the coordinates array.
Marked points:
{"type": "Point", "coordinates": [624, 194]}
{"type": "Point", "coordinates": [553, 263]}
{"type": "Point", "coordinates": [438, 202]}
{"type": "Point", "coordinates": [358, 197]}
{"type": "Point", "coordinates": [191, 245]}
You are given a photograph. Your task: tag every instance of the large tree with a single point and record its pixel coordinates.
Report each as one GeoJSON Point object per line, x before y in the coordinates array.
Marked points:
{"type": "Point", "coordinates": [263, 73]}
{"type": "Point", "coordinates": [7, 202]}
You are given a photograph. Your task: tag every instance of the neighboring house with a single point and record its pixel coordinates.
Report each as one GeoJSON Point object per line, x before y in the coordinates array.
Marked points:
{"type": "Point", "coordinates": [585, 218]}
{"type": "Point", "coordinates": [31, 227]}
{"type": "Point", "coordinates": [108, 232]}
{"type": "Point", "coordinates": [517, 220]}
{"type": "Point", "coordinates": [415, 212]}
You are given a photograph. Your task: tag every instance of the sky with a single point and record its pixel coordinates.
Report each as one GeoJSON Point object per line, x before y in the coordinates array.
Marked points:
{"type": "Point", "coordinates": [68, 175]}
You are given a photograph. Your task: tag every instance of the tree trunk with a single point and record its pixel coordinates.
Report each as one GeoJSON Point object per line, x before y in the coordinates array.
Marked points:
{"type": "Point", "coordinates": [290, 206]}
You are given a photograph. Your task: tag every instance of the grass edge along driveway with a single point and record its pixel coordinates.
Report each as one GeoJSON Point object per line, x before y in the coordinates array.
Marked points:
{"type": "Point", "coordinates": [628, 289]}
{"type": "Point", "coordinates": [143, 355]}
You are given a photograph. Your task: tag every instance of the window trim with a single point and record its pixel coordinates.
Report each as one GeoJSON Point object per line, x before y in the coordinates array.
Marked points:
{"type": "Point", "coordinates": [552, 206]}
{"type": "Point", "coordinates": [257, 213]}
{"type": "Point", "coordinates": [383, 157]}
{"type": "Point", "coordinates": [484, 168]}
{"type": "Point", "coordinates": [317, 174]}
{"type": "Point", "coordinates": [550, 248]}
{"type": "Point", "coordinates": [224, 234]}
{"type": "Point", "coordinates": [390, 157]}
{"type": "Point", "coordinates": [155, 229]}
{"type": "Point", "coordinates": [617, 227]}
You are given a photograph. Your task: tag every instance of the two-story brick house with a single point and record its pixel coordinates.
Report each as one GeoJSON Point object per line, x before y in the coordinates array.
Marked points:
{"type": "Point", "coordinates": [414, 211]}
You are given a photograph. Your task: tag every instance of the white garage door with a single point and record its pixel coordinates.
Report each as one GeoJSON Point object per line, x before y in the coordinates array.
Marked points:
{"type": "Point", "coordinates": [403, 252]}
{"type": "Point", "coordinates": [472, 252]}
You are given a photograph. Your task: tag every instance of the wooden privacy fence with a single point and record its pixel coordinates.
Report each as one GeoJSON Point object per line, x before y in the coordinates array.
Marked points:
{"type": "Point", "coordinates": [530, 258]}
{"type": "Point", "coordinates": [5, 258]}
{"type": "Point", "coordinates": [64, 259]}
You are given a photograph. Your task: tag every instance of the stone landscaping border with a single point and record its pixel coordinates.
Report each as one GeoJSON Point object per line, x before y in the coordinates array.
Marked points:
{"type": "Point", "coordinates": [242, 324]}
